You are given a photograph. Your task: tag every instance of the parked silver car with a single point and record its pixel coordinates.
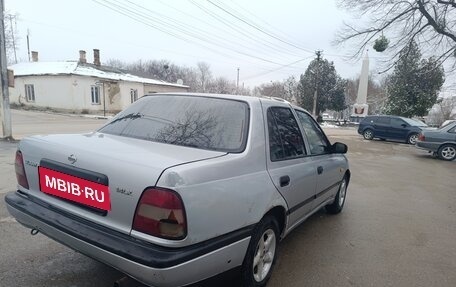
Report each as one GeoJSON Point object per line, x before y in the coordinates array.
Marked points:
{"type": "Point", "coordinates": [180, 187]}
{"type": "Point", "coordinates": [442, 141]}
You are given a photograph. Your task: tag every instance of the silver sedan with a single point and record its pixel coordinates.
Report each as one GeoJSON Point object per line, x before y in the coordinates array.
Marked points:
{"type": "Point", "coordinates": [181, 187]}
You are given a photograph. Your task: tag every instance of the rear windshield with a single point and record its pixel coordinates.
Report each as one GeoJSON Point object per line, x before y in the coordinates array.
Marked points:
{"type": "Point", "coordinates": [415, 122]}
{"type": "Point", "coordinates": [200, 122]}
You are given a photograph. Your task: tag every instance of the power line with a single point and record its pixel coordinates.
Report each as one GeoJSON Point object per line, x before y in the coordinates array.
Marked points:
{"type": "Point", "coordinates": [244, 32]}
{"type": "Point", "coordinates": [128, 43]}
{"type": "Point", "coordinates": [129, 13]}
{"type": "Point", "coordinates": [252, 15]}
{"type": "Point", "coordinates": [257, 28]}
{"type": "Point", "coordinates": [277, 69]}
{"type": "Point", "coordinates": [186, 28]}
{"type": "Point", "coordinates": [248, 38]}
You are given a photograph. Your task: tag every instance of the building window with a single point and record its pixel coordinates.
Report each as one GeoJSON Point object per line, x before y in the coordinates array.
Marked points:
{"type": "Point", "coordinates": [95, 92]}
{"type": "Point", "coordinates": [133, 95]}
{"type": "Point", "coordinates": [29, 93]}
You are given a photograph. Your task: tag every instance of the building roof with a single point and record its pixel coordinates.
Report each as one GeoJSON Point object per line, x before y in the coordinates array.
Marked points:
{"type": "Point", "coordinates": [82, 69]}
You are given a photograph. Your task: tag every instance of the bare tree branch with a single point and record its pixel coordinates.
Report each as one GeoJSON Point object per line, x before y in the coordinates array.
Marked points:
{"type": "Point", "coordinates": [430, 23]}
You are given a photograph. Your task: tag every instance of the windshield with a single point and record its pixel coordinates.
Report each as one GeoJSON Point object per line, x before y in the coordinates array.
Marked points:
{"type": "Point", "coordinates": [446, 123]}
{"type": "Point", "coordinates": [414, 122]}
{"type": "Point", "coordinates": [200, 122]}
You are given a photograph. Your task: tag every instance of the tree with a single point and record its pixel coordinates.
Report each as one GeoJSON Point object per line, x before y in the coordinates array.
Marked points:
{"type": "Point", "coordinates": [414, 85]}
{"type": "Point", "coordinates": [221, 86]}
{"type": "Point", "coordinates": [444, 109]}
{"type": "Point", "coordinates": [11, 37]}
{"type": "Point", "coordinates": [429, 23]}
{"type": "Point", "coordinates": [321, 75]}
{"type": "Point", "coordinates": [204, 75]}
{"type": "Point", "coordinates": [290, 86]}
{"type": "Point", "coordinates": [273, 89]}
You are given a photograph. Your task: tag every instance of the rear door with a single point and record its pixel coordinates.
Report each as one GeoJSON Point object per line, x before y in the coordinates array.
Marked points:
{"type": "Point", "coordinates": [383, 127]}
{"type": "Point", "coordinates": [293, 174]}
{"type": "Point", "coordinates": [451, 134]}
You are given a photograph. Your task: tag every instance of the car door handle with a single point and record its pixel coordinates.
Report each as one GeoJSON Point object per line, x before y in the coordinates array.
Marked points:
{"type": "Point", "coordinates": [320, 170]}
{"type": "Point", "coordinates": [284, 180]}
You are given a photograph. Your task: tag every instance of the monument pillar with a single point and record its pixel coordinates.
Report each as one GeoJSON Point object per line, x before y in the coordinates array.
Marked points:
{"type": "Point", "coordinates": [360, 108]}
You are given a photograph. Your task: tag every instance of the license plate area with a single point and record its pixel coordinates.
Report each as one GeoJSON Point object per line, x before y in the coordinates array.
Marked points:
{"type": "Point", "coordinates": [80, 186]}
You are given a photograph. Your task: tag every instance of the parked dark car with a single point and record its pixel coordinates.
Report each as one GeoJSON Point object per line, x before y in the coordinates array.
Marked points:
{"type": "Point", "coordinates": [442, 142]}
{"type": "Point", "coordinates": [391, 127]}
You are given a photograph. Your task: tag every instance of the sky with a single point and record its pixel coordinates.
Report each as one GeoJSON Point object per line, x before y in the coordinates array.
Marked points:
{"type": "Point", "coordinates": [266, 40]}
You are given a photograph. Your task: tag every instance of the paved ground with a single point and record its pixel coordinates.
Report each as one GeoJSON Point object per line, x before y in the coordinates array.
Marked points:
{"type": "Point", "coordinates": [398, 227]}
{"type": "Point", "coordinates": [31, 123]}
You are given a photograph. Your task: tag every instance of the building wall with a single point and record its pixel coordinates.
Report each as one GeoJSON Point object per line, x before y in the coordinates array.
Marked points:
{"type": "Point", "coordinates": [149, 89]}
{"type": "Point", "coordinates": [50, 91]}
{"type": "Point", "coordinates": [125, 89]}
{"type": "Point", "coordinates": [73, 93]}
{"type": "Point", "coordinates": [82, 94]}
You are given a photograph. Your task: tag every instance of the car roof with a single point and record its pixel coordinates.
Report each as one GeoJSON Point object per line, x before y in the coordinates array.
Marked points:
{"type": "Point", "coordinates": [248, 99]}
{"type": "Point", "coordinates": [206, 95]}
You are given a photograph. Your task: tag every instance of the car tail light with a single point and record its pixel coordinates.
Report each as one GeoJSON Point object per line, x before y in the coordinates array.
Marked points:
{"type": "Point", "coordinates": [160, 212]}
{"type": "Point", "coordinates": [421, 137]}
{"type": "Point", "coordinates": [20, 170]}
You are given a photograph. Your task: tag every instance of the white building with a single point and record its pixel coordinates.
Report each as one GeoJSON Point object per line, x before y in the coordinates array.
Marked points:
{"type": "Point", "coordinates": [79, 86]}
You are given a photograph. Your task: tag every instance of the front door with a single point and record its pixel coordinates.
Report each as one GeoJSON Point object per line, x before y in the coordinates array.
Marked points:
{"type": "Point", "coordinates": [329, 166]}
{"type": "Point", "coordinates": [399, 129]}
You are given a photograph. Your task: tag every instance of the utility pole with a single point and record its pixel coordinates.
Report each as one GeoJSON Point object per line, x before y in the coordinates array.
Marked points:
{"type": "Point", "coordinates": [237, 82]}
{"type": "Point", "coordinates": [314, 110]}
{"type": "Point", "coordinates": [28, 44]}
{"type": "Point", "coordinates": [5, 107]}
{"type": "Point", "coordinates": [12, 35]}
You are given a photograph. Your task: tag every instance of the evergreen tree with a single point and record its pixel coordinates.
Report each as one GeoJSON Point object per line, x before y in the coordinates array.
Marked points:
{"type": "Point", "coordinates": [414, 85]}
{"type": "Point", "coordinates": [321, 75]}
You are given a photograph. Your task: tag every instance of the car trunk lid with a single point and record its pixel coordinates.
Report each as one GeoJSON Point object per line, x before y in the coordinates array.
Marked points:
{"type": "Point", "coordinates": [125, 166]}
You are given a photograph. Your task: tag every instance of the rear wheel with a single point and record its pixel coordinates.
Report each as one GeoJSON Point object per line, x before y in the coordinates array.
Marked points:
{"type": "Point", "coordinates": [368, 134]}
{"type": "Point", "coordinates": [447, 152]}
{"type": "Point", "coordinates": [412, 139]}
{"type": "Point", "coordinates": [261, 254]}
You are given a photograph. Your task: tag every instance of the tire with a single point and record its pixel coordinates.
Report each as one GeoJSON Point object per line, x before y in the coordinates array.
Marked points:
{"type": "Point", "coordinates": [339, 201]}
{"type": "Point", "coordinates": [412, 139]}
{"type": "Point", "coordinates": [368, 134]}
{"type": "Point", "coordinates": [261, 253]}
{"type": "Point", "coordinates": [447, 152]}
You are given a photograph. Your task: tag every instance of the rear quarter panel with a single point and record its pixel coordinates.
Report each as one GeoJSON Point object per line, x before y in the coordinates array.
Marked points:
{"type": "Point", "coordinates": [226, 193]}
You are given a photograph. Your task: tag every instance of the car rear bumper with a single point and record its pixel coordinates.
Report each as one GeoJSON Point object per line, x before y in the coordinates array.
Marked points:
{"type": "Point", "coordinates": [149, 263]}
{"type": "Point", "coordinates": [428, 145]}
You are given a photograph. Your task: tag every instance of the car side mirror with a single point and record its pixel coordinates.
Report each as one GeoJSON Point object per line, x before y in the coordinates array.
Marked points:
{"type": "Point", "coordinates": [403, 125]}
{"type": "Point", "coordinates": [338, 147]}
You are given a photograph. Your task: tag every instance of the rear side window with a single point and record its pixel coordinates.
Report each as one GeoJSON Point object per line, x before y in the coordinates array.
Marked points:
{"type": "Point", "coordinates": [383, 120]}
{"type": "Point", "coordinates": [397, 122]}
{"type": "Point", "coordinates": [200, 122]}
{"type": "Point", "coordinates": [285, 139]}
{"type": "Point", "coordinates": [368, 120]}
